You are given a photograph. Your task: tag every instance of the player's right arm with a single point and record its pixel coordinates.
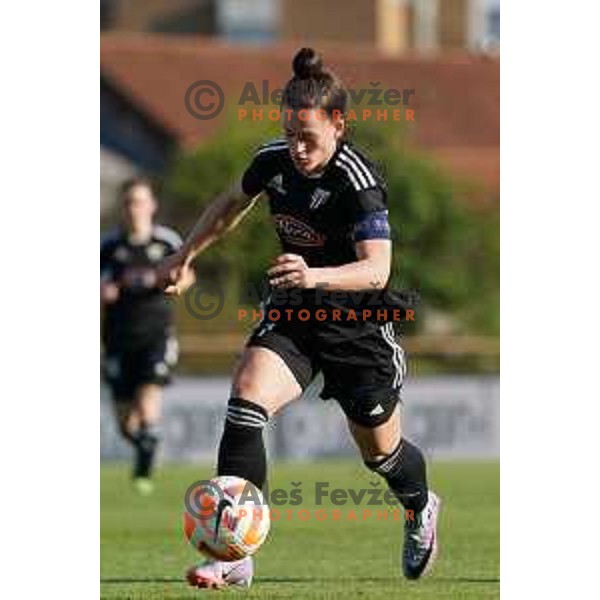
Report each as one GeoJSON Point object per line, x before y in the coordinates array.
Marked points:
{"type": "Point", "coordinates": [221, 216]}
{"type": "Point", "coordinates": [109, 292]}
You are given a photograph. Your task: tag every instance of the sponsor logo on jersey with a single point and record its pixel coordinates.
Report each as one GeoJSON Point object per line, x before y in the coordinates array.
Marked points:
{"type": "Point", "coordinates": [139, 277]}
{"type": "Point", "coordinates": [318, 198]}
{"type": "Point", "coordinates": [276, 183]}
{"type": "Point", "coordinates": [155, 251]}
{"type": "Point", "coordinates": [297, 232]}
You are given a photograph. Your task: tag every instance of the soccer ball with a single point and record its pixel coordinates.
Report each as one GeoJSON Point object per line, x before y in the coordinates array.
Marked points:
{"type": "Point", "coordinates": [226, 518]}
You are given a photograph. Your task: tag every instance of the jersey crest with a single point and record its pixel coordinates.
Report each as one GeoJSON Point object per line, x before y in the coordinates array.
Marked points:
{"type": "Point", "coordinates": [318, 198]}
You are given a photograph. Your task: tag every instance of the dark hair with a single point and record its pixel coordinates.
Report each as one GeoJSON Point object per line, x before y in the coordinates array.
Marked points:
{"type": "Point", "coordinates": [313, 85]}
{"type": "Point", "coordinates": [129, 184]}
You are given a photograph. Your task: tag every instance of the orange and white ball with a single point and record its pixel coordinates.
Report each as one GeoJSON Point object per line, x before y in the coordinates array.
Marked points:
{"type": "Point", "coordinates": [226, 518]}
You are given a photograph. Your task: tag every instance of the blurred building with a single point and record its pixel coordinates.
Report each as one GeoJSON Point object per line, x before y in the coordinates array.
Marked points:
{"type": "Point", "coordinates": [401, 43]}
{"type": "Point", "coordinates": [392, 26]}
{"type": "Point", "coordinates": [234, 20]}
{"type": "Point", "coordinates": [159, 16]}
{"type": "Point", "coordinates": [145, 80]}
{"type": "Point", "coordinates": [133, 140]}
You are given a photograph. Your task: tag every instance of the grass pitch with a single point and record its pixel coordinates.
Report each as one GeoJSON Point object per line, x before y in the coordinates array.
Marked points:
{"type": "Point", "coordinates": [144, 553]}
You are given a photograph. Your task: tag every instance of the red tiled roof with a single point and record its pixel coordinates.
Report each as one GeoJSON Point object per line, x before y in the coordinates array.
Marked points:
{"type": "Point", "coordinates": [457, 99]}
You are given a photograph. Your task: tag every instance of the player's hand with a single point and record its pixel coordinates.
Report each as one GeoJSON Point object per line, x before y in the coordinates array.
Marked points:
{"type": "Point", "coordinates": [109, 292]}
{"type": "Point", "coordinates": [290, 271]}
{"type": "Point", "coordinates": [173, 274]}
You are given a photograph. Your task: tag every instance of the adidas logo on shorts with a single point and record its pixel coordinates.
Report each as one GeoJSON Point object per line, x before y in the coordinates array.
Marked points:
{"type": "Point", "coordinates": [376, 411]}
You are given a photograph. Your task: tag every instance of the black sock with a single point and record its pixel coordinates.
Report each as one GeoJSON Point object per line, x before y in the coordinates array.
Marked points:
{"type": "Point", "coordinates": [405, 471]}
{"type": "Point", "coordinates": [242, 449]}
{"type": "Point", "coordinates": [145, 442]}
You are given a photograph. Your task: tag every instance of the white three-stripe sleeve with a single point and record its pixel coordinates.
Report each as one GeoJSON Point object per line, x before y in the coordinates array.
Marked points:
{"type": "Point", "coordinates": [359, 164]}
{"type": "Point", "coordinates": [355, 183]}
{"type": "Point", "coordinates": [355, 170]}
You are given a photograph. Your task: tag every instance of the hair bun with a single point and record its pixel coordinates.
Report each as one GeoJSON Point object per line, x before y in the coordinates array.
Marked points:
{"type": "Point", "coordinates": [307, 64]}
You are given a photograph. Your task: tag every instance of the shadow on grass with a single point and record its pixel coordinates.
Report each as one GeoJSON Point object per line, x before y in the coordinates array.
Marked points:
{"type": "Point", "coordinates": [142, 580]}
{"type": "Point", "coordinates": [466, 580]}
{"type": "Point", "coordinates": [432, 579]}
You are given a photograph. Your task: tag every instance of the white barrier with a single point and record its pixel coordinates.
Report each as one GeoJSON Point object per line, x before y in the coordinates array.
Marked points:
{"type": "Point", "coordinates": [453, 417]}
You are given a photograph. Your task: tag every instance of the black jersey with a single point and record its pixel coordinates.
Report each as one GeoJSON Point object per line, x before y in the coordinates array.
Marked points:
{"type": "Point", "coordinates": [321, 217]}
{"type": "Point", "coordinates": [141, 312]}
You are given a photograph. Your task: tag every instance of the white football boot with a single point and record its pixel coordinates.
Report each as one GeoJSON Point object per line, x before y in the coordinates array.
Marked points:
{"type": "Point", "coordinates": [217, 574]}
{"type": "Point", "coordinates": [421, 540]}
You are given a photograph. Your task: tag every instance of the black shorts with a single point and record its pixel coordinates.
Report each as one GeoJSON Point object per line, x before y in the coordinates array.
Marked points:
{"type": "Point", "coordinates": [127, 366]}
{"type": "Point", "coordinates": [362, 364]}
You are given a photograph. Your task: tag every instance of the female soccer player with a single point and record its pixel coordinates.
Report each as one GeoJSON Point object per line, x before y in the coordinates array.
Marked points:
{"type": "Point", "coordinates": [140, 348]}
{"type": "Point", "coordinates": [329, 206]}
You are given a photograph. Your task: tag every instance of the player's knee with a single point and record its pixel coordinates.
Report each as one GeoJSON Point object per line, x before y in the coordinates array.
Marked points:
{"type": "Point", "coordinates": [125, 430]}
{"type": "Point", "coordinates": [244, 385]}
{"type": "Point", "coordinates": [381, 462]}
{"type": "Point", "coordinates": [375, 460]}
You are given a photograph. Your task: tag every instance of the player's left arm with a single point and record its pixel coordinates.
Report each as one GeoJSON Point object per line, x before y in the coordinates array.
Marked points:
{"type": "Point", "coordinates": [373, 249]}
{"type": "Point", "coordinates": [371, 270]}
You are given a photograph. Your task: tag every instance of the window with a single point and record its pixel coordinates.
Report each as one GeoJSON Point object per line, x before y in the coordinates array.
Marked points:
{"type": "Point", "coordinates": [242, 21]}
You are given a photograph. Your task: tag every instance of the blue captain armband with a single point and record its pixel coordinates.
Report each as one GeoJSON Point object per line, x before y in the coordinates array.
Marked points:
{"type": "Point", "coordinates": [372, 226]}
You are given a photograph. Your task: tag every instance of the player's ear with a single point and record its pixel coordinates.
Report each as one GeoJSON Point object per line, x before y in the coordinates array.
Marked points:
{"type": "Point", "coordinates": [340, 125]}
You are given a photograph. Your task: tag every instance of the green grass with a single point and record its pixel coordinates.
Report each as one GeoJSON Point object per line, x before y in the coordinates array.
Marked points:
{"type": "Point", "coordinates": [144, 554]}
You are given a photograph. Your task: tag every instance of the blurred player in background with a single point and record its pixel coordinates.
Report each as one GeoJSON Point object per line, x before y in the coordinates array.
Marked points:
{"type": "Point", "coordinates": [329, 206]}
{"type": "Point", "coordinates": [139, 344]}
